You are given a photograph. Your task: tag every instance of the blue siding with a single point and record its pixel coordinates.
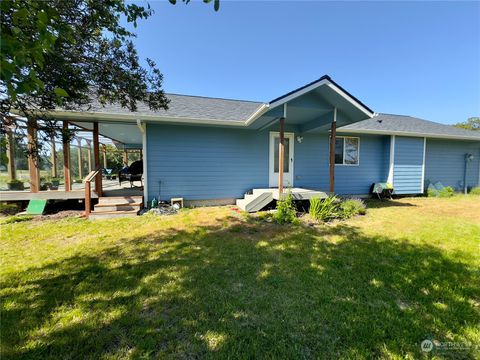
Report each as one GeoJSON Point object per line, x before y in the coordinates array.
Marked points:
{"type": "Point", "coordinates": [445, 162]}
{"type": "Point", "coordinates": [200, 163]}
{"type": "Point", "coordinates": [408, 165]}
{"type": "Point", "coordinates": [312, 164]}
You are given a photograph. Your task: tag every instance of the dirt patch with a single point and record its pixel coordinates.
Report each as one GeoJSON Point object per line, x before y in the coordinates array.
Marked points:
{"type": "Point", "coordinates": [59, 215]}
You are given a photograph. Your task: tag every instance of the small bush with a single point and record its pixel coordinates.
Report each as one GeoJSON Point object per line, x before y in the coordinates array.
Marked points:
{"type": "Point", "coordinates": [10, 208]}
{"type": "Point", "coordinates": [447, 191]}
{"type": "Point", "coordinates": [324, 210]}
{"type": "Point", "coordinates": [286, 212]}
{"type": "Point", "coordinates": [352, 207]}
{"type": "Point", "coordinates": [475, 191]}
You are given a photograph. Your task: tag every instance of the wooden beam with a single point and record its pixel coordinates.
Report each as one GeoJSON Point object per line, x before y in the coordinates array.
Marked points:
{"type": "Point", "coordinates": [54, 159]}
{"type": "Point", "coordinates": [125, 157]}
{"type": "Point", "coordinates": [333, 137]}
{"type": "Point", "coordinates": [79, 156]}
{"type": "Point", "coordinates": [32, 155]}
{"type": "Point", "coordinates": [104, 156]}
{"type": "Point", "coordinates": [66, 159]}
{"type": "Point", "coordinates": [12, 174]}
{"type": "Point", "coordinates": [89, 155]}
{"type": "Point", "coordinates": [96, 156]}
{"type": "Point", "coordinates": [281, 156]}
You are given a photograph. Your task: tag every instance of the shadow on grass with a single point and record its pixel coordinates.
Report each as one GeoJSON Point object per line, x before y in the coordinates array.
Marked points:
{"type": "Point", "coordinates": [386, 203]}
{"type": "Point", "coordinates": [244, 290]}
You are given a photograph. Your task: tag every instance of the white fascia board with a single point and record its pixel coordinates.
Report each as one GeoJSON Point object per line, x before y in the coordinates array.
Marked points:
{"type": "Point", "coordinates": [299, 93]}
{"type": "Point", "coordinates": [404, 133]}
{"type": "Point", "coordinates": [318, 84]}
{"type": "Point", "coordinates": [351, 100]}
{"type": "Point", "coordinates": [98, 116]}
{"type": "Point", "coordinates": [261, 110]}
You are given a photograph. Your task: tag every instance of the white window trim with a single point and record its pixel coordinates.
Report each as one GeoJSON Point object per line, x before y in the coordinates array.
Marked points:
{"type": "Point", "coordinates": [271, 156]}
{"type": "Point", "coordinates": [349, 137]}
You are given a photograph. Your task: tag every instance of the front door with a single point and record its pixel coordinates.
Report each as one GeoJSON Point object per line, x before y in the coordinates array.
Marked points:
{"type": "Point", "coordinates": [288, 159]}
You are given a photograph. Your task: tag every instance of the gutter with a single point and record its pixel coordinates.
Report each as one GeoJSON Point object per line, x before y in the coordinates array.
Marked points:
{"type": "Point", "coordinates": [404, 133]}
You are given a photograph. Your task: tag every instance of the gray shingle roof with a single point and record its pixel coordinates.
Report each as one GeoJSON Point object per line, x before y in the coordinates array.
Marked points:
{"type": "Point", "coordinates": [190, 107]}
{"type": "Point", "coordinates": [388, 123]}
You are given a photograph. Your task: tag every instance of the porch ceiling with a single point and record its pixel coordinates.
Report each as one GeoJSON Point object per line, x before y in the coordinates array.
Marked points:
{"type": "Point", "coordinates": [311, 107]}
{"type": "Point", "coordinates": [124, 132]}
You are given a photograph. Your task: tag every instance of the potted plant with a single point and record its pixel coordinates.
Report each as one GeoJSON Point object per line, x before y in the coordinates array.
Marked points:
{"type": "Point", "coordinates": [54, 184]}
{"type": "Point", "coordinates": [15, 185]}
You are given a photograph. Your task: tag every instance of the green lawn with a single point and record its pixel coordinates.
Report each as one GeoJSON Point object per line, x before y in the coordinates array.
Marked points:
{"type": "Point", "coordinates": [211, 282]}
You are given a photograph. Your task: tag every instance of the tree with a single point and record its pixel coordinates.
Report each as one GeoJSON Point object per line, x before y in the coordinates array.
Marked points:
{"type": "Point", "coordinates": [472, 123]}
{"type": "Point", "coordinates": [57, 53]}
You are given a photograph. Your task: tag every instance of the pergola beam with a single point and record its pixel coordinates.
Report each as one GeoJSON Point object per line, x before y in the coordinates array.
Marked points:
{"type": "Point", "coordinates": [79, 156]}
{"type": "Point", "coordinates": [12, 174]}
{"type": "Point", "coordinates": [96, 156]}
{"type": "Point", "coordinates": [66, 158]}
{"type": "Point", "coordinates": [33, 156]}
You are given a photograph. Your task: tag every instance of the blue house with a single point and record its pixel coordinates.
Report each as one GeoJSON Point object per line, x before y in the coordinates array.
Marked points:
{"type": "Point", "coordinates": [214, 151]}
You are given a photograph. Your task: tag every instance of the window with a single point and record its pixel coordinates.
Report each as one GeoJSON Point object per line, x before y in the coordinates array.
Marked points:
{"type": "Point", "coordinates": [347, 150]}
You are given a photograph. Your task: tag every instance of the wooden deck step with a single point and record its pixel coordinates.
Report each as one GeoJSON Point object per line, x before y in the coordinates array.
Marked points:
{"type": "Point", "coordinates": [112, 214]}
{"type": "Point", "coordinates": [117, 206]}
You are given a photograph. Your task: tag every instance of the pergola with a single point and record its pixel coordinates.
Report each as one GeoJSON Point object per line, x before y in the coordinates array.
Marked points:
{"type": "Point", "coordinates": [32, 127]}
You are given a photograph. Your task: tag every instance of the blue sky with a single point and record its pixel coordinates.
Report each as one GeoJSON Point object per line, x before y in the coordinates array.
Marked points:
{"type": "Point", "coordinates": [413, 58]}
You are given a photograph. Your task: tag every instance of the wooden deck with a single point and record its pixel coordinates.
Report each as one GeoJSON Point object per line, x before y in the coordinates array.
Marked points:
{"type": "Point", "coordinates": [110, 188]}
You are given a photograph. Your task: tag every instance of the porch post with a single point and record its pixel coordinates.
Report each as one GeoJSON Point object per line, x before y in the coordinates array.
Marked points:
{"type": "Point", "coordinates": [333, 136]}
{"type": "Point", "coordinates": [66, 159]}
{"type": "Point", "coordinates": [89, 155]}
{"type": "Point", "coordinates": [281, 151]}
{"type": "Point", "coordinates": [104, 156]}
{"type": "Point", "coordinates": [96, 156]}
{"type": "Point", "coordinates": [12, 174]}
{"type": "Point", "coordinates": [125, 157]}
{"type": "Point", "coordinates": [33, 155]}
{"type": "Point", "coordinates": [79, 155]}
{"type": "Point", "coordinates": [54, 159]}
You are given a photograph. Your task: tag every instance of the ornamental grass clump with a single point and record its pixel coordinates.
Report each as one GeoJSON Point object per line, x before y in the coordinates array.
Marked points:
{"type": "Point", "coordinates": [324, 209]}
{"type": "Point", "coordinates": [352, 207]}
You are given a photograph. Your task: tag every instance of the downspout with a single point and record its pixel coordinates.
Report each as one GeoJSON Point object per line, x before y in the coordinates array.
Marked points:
{"type": "Point", "coordinates": [468, 157]}
{"type": "Point", "coordinates": [143, 129]}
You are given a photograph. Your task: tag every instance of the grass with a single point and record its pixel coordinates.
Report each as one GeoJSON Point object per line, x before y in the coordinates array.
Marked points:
{"type": "Point", "coordinates": [212, 283]}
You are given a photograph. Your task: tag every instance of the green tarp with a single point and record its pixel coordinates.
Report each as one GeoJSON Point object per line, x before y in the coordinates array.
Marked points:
{"type": "Point", "coordinates": [36, 207]}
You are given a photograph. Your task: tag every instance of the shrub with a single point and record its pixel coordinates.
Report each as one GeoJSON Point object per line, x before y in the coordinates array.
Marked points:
{"type": "Point", "coordinates": [286, 212]}
{"type": "Point", "coordinates": [352, 207]}
{"type": "Point", "coordinates": [475, 191]}
{"type": "Point", "coordinates": [447, 191]}
{"type": "Point", "coordinates": [324, 210]}
{"type": "Point", "coordinates": [9, 208]}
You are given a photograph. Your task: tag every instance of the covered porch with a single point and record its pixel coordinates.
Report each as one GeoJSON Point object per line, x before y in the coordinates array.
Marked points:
{"type": "Point", "coordinates": [62, 169]}
{"type": "Point", "coordinates": [313, 112]}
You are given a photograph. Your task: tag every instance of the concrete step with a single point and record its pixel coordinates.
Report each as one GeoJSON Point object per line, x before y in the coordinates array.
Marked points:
{"type": "Point", "coordinates": [112, 214]}
{"type": "Point", "coordinates": [118, 207]}
{"type": "Point", "coordinates": [120, 199]}
{"type": "Point", "coordinates": [255, 202]}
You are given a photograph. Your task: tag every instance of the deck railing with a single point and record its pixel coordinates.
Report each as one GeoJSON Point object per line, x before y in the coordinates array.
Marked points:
{"type": "Point", "coordinates": [88, 189]}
